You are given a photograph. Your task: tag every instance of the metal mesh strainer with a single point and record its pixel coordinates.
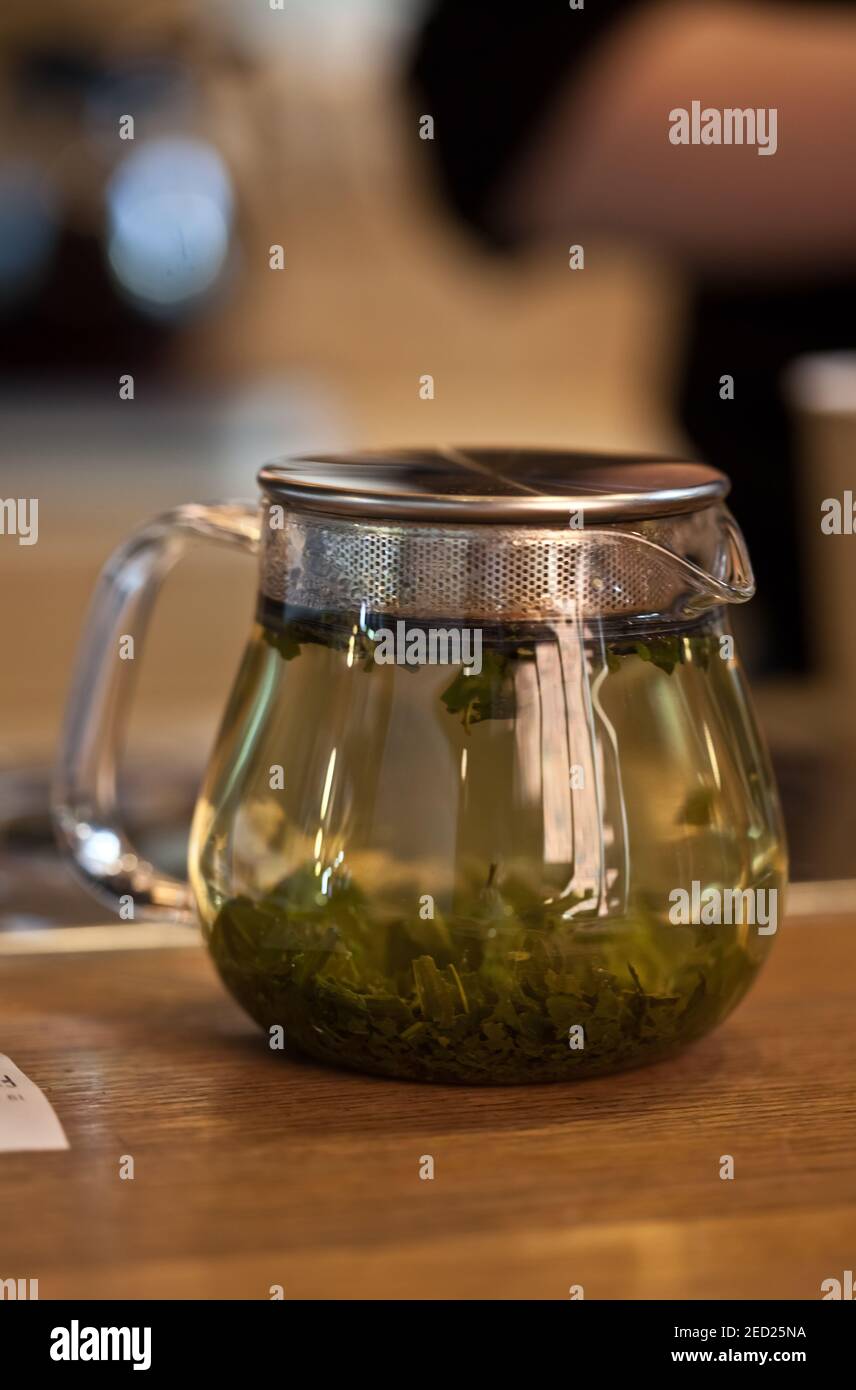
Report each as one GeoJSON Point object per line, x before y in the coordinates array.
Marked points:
{"type": "Point", "coordinates": [422, 539]}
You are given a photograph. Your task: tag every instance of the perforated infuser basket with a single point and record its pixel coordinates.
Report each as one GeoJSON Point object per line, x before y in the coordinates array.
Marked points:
{"type": "Point", "coordinates": [497, 536]}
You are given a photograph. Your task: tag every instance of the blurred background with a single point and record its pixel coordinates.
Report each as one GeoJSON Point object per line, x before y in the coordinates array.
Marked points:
{"type": "Point", "coordinates": [143, 250]}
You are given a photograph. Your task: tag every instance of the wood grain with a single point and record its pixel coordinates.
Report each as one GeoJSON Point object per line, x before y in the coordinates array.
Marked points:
{"type": "Point", "coordinates": [251, 1170]}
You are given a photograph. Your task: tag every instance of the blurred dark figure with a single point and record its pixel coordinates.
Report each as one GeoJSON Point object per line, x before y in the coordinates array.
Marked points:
{"type": "Point", "coordinates": [553, 121]}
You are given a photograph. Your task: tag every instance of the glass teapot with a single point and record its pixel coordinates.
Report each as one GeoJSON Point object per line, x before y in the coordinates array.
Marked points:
{"type": "Point", "coordinates": [488, 803]}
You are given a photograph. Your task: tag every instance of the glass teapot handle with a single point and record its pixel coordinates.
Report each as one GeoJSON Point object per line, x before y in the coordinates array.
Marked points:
{"type": "Point", "coordinates": [85, 810]}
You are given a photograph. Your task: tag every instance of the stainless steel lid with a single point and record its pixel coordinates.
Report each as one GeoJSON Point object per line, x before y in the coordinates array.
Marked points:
{"type": "Point", "coordinates": [500, 486]}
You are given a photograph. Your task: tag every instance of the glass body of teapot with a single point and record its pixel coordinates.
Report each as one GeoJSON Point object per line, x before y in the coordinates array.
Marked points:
{"type": "Point", "coordinates": [488, 803]}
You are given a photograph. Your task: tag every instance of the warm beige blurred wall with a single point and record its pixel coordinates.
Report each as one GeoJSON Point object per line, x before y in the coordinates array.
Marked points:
{"type": "Point", "coordinates": [380, 288]}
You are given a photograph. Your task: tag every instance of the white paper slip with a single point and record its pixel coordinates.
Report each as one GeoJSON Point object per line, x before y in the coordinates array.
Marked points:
{"type": "Point", "coordinates": [28, 1121]}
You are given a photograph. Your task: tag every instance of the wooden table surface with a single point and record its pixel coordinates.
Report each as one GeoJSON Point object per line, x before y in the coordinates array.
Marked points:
{"type": "Point", "coordinates": [253, 1171]}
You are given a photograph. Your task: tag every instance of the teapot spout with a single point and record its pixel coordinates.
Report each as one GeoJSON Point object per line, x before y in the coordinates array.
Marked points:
{"type": "Point", "coordinates": [727, 577]}
{"type": "Point", "coordinates": [700, 566]}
